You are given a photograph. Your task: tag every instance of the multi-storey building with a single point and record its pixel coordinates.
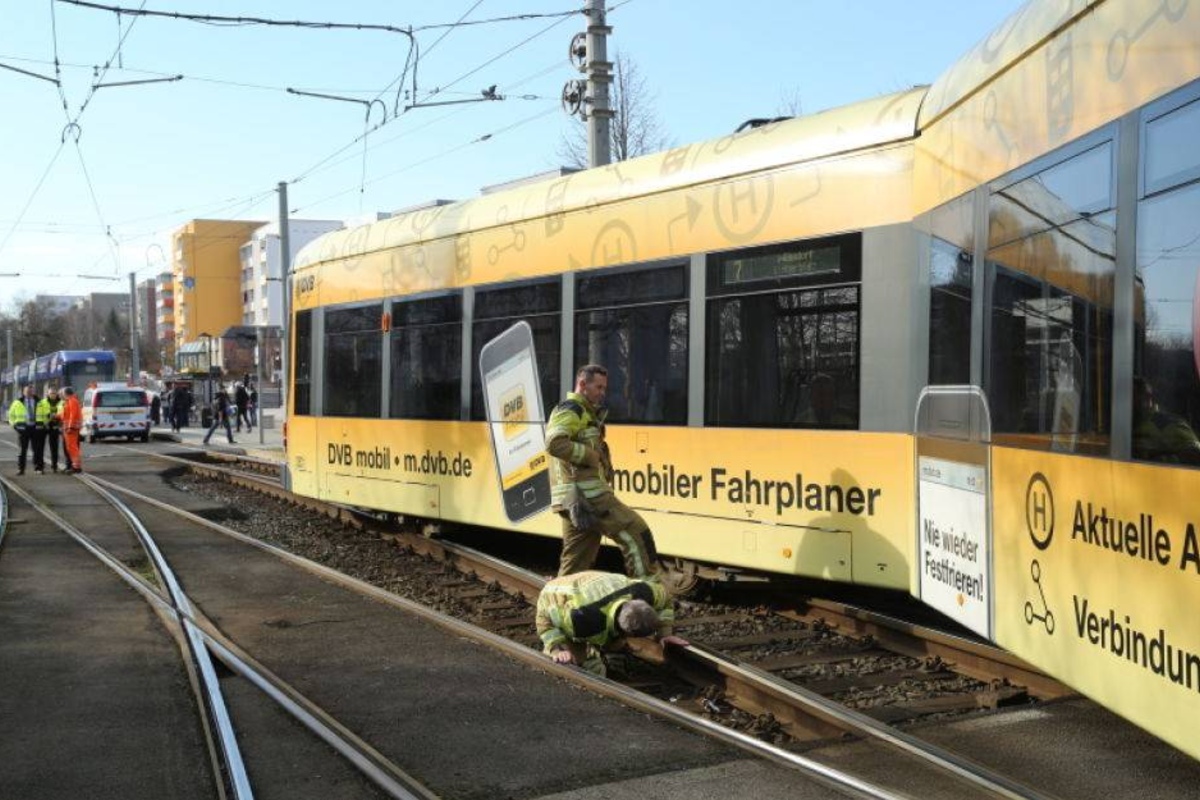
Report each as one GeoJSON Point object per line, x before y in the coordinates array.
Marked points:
{"type": "Point", "coordinates": [206, 271]}
{"type": "Point", "coordinates": [261, 284]}
{"type": "Point", "coordinates": [164, 308]}
{"type": "Point", "coordinates": [147, 301]}
{"type": "Point", "coordinates": [101, 320]}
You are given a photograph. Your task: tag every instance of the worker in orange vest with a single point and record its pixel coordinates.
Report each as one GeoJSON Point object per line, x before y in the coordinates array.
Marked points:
{"type": "Point", "coordinates": [72, 424]}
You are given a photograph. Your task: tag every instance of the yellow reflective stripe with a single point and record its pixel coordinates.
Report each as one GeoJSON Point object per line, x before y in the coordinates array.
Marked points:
{"type": "Point", "coordinates": [631, 548]}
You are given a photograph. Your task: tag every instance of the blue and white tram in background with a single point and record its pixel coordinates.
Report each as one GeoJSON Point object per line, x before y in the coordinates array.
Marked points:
{"type": "Point", "coordinates": [76, 368]}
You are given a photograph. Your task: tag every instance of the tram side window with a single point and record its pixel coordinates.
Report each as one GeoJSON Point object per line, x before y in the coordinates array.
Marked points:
{"type": "Point", "coordinates": [354, 361]}
{"type": "Point", "coordinates": [427, 357]}
{"type": "Point", "coordinates": [635, 323]}
{"type": "Point", "coordinates": [950, 291]}
{"type": "Point", "coordinates": [1166, 392]}
{"type": "Point", "coordinates": [499, 308]}
{"type": "Point", "coordinates": [1052, 262]}
{"type": "Point", "coordinates": [302, 373]}
{"type": "Point", "coordinates": [783, 335]}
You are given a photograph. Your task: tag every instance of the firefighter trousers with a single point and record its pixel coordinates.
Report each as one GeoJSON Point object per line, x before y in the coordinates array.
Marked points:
{"type": "Point", "coordinates": [620, 523]}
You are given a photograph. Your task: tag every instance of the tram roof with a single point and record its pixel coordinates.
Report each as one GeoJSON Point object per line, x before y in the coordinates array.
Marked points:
{"type": "Point", "coordinates": [872, 123]}
{"type": "Point", "coordinates": [1024, 31]}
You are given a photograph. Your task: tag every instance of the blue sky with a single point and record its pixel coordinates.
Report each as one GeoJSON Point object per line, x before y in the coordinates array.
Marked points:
{"type": "Point", "coordinates": [102, 198]}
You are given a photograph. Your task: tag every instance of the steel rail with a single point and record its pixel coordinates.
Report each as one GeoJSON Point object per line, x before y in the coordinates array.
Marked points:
{"type": "Point", "coordinates": [369, 761]}
{"type": "Point", "coordinates": [386, 775]}
{"type": "Point", "coordinates": [829, 776]}
{"type": "Point", "coordinates": [235, 765]}
{"type": "Point", "coordinates": [761, 682]}
{"type": "Point", "coordinates": [750, 682]}
{"type": "Point", "coordinates": [135, 581]}
{"type": "Point", "coordinates": [975, 659]}
{"type": "Point", "coordinates": [151, 595]}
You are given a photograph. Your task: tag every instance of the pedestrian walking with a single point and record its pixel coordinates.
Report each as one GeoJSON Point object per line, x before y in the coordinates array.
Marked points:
{"type": "Point", "coordinates": [241, 399]}
{"type": "Point", "coordinates": [181, 404]}
{"type": "Point", "coordinates": [581, 471]}
{"type": "Point", "coordinates": [252, 406]}
{"type": "Point", "coordinates": [155, 408]}
{"type": "Point", "coordinates": [72, 425]}
{"type": "Point", "coordinates": [221, 411]}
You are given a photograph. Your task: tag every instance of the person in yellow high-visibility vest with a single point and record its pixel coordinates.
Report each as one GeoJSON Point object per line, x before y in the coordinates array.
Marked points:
{"type": "Point", "coordinates": [22, 416]}
{"type": "Point", "coordinates": [581, 470]}
{"type": "Point", "coordinates": [582, 614]}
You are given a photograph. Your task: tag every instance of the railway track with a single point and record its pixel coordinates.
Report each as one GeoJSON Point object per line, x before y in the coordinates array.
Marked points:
{"type": "Point", "coordinates": [358, 752]}
{"type": "Point", "coordinates": [202, 645]}
{"type": "Point", "coordinates": [791, 677]}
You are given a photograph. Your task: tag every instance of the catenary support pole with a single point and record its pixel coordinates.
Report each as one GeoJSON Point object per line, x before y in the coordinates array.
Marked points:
{"type": "Point", "coordinates": [259, 354]}
{"type": "Point", "coordinates": [599, 71]}
{"type": "Point", "coordinates": [134, 367]}
{"type": "Point", "coordinates": [285, 273]}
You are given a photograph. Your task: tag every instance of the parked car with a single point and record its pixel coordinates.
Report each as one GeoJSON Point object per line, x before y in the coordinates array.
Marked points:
{"type": "Point", "coordinates": [116, 409]}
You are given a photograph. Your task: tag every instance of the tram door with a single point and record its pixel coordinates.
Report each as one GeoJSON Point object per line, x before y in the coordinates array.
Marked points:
{"type": "Point", "coordinates": [955, 571]}
{"type": "Point", "coordinates": [301, 403]}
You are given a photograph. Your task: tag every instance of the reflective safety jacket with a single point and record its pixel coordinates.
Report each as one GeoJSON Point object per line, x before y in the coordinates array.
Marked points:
{"type": "Point", "coordinates": [18, 413]}
{"type": "Point", "coordinates": [45, 413]}
{"type": "Point", "coordinates": [583, 608]}
{"type": "Point", "coordinates": [575, 438]}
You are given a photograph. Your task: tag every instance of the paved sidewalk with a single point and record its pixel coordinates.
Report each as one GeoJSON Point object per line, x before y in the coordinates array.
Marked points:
{"type": "Point", "coordinates": [265, 441]}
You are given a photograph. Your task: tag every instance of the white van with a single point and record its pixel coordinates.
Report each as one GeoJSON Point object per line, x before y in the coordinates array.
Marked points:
{"type": "Point", "coordinates": [116, 409]}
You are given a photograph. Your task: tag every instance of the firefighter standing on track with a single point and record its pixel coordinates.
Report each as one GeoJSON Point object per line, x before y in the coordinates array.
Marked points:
{"type": "Point", "coordinates": [72, 424]}
{"type": "Point", "coordinates": [581, 470]}
{"type": "Point", "coordinates": [580, 614]}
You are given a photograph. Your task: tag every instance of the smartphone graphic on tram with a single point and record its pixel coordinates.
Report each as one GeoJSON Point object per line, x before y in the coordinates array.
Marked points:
{"type": "Point", "coordinates": [512, 399]}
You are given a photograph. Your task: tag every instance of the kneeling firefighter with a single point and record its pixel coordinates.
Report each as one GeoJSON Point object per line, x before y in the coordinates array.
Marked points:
{"type": "Point", "coordinates": [579, 615]}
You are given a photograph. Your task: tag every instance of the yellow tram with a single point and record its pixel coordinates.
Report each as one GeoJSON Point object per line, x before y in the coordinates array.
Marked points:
{"type": "Point", "coordinates": [774, 308]}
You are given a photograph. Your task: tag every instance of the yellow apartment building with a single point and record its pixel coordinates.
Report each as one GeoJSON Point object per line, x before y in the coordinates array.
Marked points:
{"type": "Point", "coordinates": [207, 270]}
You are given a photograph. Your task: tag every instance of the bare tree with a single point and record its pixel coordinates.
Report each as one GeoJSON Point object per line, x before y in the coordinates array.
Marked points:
{"type": "Point", "coordinates": [149, 354]}
{"type": "Point", "coordinates": [791, 104]}
{"type": "Point", "coordinates": [40, 329]}
{"type": "Point", "coordinates": [635, 127]}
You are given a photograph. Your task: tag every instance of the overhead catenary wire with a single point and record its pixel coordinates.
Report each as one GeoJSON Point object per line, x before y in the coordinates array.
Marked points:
{"type": "Point", "coordinates": [258, 197]}
{"type": "Point", "coordinates": [103, 71]}
{"type": "Point", "coordinates": [216, 19]}
{"type": "Point", "coordinates": [191, 77]}
{"type": "Point", "coordinates": [398, 82]}
{"type": "Point", "coordinates": [476, 140]}
{"type": "Point", "coordinates": [330, 163]}
{"type": "Point", "coordinates": [96, 205]}
{"type": "Point", "coordinates": [366, 26]}
{"type": "Point", "coordinates": [72, 124]}
{"type": "Point", "coordinates": [312, 169]}
{"type": "Point", "coordinates": [33, 195]}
